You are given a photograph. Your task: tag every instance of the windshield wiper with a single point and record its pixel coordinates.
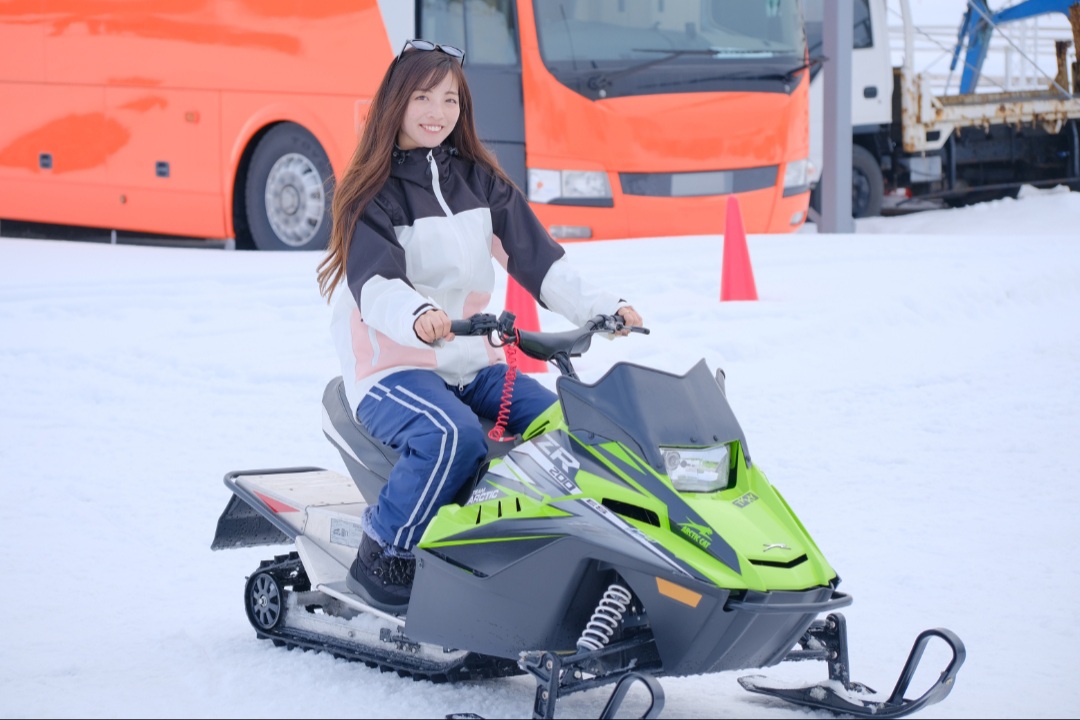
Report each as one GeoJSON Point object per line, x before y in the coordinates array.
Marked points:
{"type": "Point", "coordinates": [785, 76]}
{"type": "Point", "coordinates": [601, 81]}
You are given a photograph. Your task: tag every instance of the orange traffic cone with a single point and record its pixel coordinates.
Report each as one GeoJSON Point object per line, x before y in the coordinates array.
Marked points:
{"type": "Point", "coordinates": [737, 278]}
{"type": "Point", "coordinates": [522, 304]}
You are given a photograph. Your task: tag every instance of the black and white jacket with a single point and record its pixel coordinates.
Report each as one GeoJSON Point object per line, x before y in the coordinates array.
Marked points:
{"type": "Point", "coordinates": [427, 241]}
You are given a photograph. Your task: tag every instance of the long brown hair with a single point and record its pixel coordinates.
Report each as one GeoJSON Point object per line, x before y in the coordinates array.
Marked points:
{"type": "Point", "coordinates": [369, 168]}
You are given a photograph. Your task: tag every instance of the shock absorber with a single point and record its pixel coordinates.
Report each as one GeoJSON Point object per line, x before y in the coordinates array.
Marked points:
{"type": "Point", "coordinates": [605, 619]}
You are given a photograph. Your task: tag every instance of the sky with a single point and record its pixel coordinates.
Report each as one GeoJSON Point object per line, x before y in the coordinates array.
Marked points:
{"type": "Point", "coordinates": [911, 388]}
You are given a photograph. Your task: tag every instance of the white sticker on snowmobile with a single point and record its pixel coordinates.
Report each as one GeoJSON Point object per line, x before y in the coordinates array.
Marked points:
{"type": "Point", "coordinates": [555, 460]}
{"type": "Point", "coordinates": [345, 532]}
{"type": "Point", "coordinates": [511, 471]}
{"type": "Point", "coordinates": [480, 495]}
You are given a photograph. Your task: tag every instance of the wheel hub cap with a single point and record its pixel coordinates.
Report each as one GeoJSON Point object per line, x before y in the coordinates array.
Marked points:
{"type": "Point", "coordinates": [295, 199]}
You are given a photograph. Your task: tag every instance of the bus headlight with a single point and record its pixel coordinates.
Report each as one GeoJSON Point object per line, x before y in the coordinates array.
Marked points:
{"type": "Point", "coordinates": [551, 185]}
{"type": "Point", "coordinates": [698, 470]}
{"type": "Point", "coordinates": [797, 177]}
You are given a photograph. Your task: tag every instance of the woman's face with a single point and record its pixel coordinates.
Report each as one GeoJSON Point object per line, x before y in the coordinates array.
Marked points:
{"type": "Point", "coordinates": [430, 116]}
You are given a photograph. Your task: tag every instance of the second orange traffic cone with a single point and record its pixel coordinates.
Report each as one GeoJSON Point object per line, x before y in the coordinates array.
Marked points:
{"type": "Point", "coordinates": [737, 277]}
{"type": "Point", "coordinates": [526, 317]}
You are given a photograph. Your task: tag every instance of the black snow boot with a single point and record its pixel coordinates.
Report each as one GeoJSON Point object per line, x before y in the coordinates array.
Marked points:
{"type": "Point", "coordinates": [382, 580]}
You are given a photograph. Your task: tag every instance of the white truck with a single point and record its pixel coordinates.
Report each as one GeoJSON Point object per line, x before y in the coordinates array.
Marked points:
{"type": "Point", "coordinates": [910, 138]}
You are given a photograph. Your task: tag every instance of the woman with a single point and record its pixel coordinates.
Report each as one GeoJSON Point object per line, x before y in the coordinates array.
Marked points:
{"type": "Point", "coordinates": [420, 212]}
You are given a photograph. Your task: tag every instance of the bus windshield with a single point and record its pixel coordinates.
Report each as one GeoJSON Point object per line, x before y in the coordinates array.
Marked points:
{"type": "Point", "coordinates": [639, 47]}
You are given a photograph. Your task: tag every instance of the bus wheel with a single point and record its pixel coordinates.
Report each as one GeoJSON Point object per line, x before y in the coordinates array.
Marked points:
{"type": "Point", "coordinates": [867, 183]}
{"type": "Point", "coordinates": [288, 190]}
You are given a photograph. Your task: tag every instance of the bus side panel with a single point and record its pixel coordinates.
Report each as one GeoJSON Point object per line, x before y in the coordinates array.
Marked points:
{"type": "Point", "coordinates": [64, 126]}
{"type": "Point", "coordinates": [173, 139]}
{"type": "Point", "coordinates": [150, 43]}
{"type": "Point", "coordinates": [53, 136]}
{"type": "Point", "coordinates": [166, 211]}
{"type": "Point", "coordinates": [330, 47]}
{"type": "Point", "coordinates": [22, 42]}
{"type": "Point", "coordinates": [164, 178]}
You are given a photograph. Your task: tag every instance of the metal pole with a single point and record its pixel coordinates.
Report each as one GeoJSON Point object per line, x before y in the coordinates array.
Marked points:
{"type": "Point", "coordinates": [837, 40]}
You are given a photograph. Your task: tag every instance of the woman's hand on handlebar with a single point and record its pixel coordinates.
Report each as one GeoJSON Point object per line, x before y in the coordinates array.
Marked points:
{"type": "Point", "coordinates": [432, 326]}
{"type": "Point", "coordinates": [630, 318]}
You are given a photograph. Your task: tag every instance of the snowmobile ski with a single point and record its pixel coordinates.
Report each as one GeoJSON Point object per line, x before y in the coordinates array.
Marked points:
{"type": "Point", "coordinates": [827, 640]}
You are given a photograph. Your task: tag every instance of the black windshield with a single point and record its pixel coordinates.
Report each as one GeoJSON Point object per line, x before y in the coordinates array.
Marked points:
{"type": "Point", "coordinates": [647, 408]}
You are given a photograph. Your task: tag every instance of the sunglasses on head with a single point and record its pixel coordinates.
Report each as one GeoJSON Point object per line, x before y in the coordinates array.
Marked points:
{"type": "Point", "coordinates": [425, 46]}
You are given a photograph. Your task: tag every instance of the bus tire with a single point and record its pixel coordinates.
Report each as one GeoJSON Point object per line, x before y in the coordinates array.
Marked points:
{"type": "Point", "coordinates": [288, 191]}
{"type": "Point", "coordinates": [867, 183]}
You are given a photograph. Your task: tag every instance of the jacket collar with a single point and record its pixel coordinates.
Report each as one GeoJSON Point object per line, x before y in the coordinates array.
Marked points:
{"type": "Point", "coordinates": [413, 164]}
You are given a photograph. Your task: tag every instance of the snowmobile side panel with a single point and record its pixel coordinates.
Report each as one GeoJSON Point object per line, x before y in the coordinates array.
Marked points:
{"type": "Point", "coordinates": [340, 526]}
{"type": "Point", "coordinates": [462, 535]}
{"type": "Point", "coordinates": [488, 558]}
{"type": "Point", "coordinates": [454, 606]}
{"type": "Point", "coordinates": [697, 630]}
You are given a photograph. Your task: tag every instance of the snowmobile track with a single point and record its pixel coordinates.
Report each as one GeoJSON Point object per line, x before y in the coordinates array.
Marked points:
{"type": "Point", "coordinates": [400, 655]}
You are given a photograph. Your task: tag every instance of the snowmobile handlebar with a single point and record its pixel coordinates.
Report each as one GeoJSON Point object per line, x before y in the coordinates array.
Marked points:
{"type": "Point", "coordinates": [547, 346]}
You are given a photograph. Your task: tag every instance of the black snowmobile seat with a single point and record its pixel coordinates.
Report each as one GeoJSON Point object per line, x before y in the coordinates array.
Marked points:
{"type": "Point", "coordinates": [368, 460]}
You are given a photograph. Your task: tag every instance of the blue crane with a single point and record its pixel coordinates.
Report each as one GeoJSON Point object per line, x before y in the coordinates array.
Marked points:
{"type": "Point", "coordinates": [978, 26]}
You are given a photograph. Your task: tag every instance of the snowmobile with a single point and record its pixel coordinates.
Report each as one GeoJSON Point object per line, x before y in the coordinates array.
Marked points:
{"type": "Point", "coordinates": [624, 537]}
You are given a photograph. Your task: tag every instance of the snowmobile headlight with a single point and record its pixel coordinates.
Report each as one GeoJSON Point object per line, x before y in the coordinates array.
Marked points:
{"type": "Point", "coordinates": [698, 470]}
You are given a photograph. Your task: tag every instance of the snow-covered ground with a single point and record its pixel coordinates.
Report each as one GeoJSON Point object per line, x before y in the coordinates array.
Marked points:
{"type": "Point", "coordinates": [913, 389]}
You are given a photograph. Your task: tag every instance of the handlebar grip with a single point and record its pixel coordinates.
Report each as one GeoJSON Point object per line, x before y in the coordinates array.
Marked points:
{"type": "Point", "coordinates": [461, 327]}
{"type": "Point", "coordinates": [479, 324]}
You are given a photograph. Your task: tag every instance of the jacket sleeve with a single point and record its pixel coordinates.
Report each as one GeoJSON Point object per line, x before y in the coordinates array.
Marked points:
{"type": "Point", "coordinates": [376, 274]}
{"type": "Point", "coordinates": [538, 263]}
{"type": "Point", "coordinates": [529, 249]}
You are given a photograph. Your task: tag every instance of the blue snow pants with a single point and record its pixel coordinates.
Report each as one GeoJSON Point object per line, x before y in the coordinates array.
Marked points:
{"type": "Point", "coordinates": [435, 428]}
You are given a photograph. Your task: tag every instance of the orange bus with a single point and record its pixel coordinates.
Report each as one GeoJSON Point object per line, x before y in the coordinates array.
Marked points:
{"type": "Point", "coordinates": [229, 118]}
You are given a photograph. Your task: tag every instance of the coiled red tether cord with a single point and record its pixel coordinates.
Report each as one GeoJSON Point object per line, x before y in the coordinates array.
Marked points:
{"type": "Point", "coordinates": [496, 433]}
